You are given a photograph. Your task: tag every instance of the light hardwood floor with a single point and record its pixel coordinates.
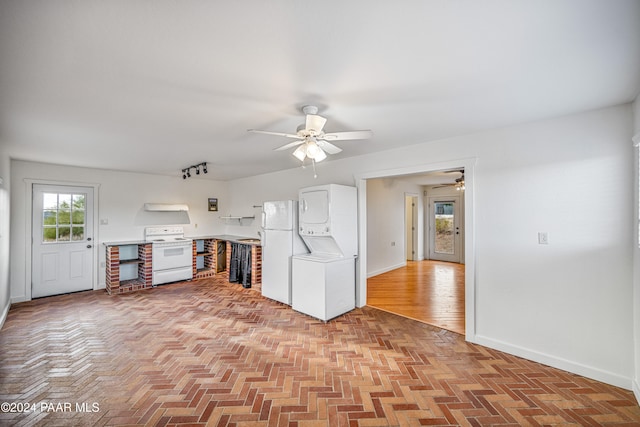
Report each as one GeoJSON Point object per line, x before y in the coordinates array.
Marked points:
{"type": "Point", "coordinates": [428, 291]}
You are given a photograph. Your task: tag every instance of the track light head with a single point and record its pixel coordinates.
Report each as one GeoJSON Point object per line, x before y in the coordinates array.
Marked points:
{"type": "Point", "coordinates": [204, 167]}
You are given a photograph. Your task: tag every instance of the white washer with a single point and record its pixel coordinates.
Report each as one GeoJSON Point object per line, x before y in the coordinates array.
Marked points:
{"type": "Point", "coordinates": [324, 285]}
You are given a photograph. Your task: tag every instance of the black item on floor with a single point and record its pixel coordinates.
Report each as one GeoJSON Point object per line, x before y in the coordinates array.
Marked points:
{"type": "Point", "coordinates": [240, 265]}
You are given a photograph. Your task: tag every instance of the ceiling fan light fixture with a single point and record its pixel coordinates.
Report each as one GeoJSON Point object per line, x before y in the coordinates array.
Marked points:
{"type": "Point", "coordinates": [300, 153]}
{"type": "Point", "coordinates": [314, 152]}
{"type": "Point", "coordinates": [311, 140]}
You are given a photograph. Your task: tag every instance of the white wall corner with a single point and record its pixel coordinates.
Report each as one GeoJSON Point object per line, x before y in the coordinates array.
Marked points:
{"type": "Point", "coordinates": [636, 115]}
{"type": "Point", "coordinates": [636, 391]}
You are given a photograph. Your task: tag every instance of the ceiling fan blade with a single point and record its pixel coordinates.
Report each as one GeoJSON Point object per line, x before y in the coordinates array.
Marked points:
{"type": "Point", "coordinates": [342, 136]}
{"type": "Point", "coordinates": [315, 122]}
{"type": "Point", "coordinates": [289, 145]}
{"type": "Point", "coordinates": [328, 147]}
{"type": "Point", "coordinates": [287, 135]}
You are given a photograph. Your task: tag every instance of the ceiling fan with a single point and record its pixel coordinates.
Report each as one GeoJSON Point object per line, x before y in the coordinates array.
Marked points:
{"type": "Point", "coordinates": [459, 182]}
{"type": "Point", "coordinates": [312, 142]}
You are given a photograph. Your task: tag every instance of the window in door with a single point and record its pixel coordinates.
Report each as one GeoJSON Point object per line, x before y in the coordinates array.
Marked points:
{"type": "Point", "coordinates": [63, 217]}
{"type": "Point", "coordinates": [444, 228]}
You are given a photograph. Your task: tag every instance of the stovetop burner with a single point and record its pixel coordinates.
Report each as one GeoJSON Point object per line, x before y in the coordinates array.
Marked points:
{"type": "Point", "coordinates": [165, 234]}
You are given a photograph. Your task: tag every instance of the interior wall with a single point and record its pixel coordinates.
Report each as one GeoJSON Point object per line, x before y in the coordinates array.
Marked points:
{"type": "Point", "coordinates": [386, 233]}
{"type": "Point", "coordinates": [569, 176]}
{"type": "Point", "coordinates": [5, 192]}
{"type": "Point", "coordinates": [636, 253]}
{"type": "Point", "coordinates": [120, 200]}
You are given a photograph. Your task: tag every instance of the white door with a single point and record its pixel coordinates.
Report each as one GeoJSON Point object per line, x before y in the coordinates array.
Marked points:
{"type": "Point", "coordinates": [62, 241]}
{"type": "Point", "coordinates": [444, 229]}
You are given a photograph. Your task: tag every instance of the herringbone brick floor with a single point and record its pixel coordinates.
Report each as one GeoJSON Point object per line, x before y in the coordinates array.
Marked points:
{"type": "Point", "coordinates": [214, 353]}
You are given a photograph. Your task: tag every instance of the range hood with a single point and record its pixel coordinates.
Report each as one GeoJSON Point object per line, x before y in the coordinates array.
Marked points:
{"type": "Point", "coordinates": [166, 207]}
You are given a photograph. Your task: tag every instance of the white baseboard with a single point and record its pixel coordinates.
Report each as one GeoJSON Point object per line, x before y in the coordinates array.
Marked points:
{"type": "Point", "coordinates": [386, 269]}
{"type": "Point", "coordinates": [556, 362]}
{"type": "Point", "coordinates": [4, 314]}
{"type": "Point", "coordinates": [636, 390]}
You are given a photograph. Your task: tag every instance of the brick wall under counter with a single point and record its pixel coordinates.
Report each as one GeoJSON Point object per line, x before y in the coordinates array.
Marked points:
{"type": "Point", "coordinates": [113, 283]}
{"type": "Point", "coordinates": [209, 256]}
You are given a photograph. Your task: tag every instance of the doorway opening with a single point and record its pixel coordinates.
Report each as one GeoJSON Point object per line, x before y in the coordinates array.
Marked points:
{"type": "Point", "coordinates": [454, 241]}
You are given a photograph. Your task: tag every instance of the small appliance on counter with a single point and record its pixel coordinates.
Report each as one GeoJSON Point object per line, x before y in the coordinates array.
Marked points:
{"type": "Point", "coordinates": [280, 241]}
{"type": "Point", "coordinates": [172, 254]}
{"type": "Point", "coordinates": [323, 282]}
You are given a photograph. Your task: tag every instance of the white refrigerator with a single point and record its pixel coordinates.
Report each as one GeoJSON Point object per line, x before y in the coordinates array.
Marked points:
{"type": "Point", "coordinates": [280, 241]}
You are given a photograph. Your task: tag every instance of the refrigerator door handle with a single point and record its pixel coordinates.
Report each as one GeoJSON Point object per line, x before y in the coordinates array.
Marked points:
{"type": "Point", "coordinates": [264, 219]}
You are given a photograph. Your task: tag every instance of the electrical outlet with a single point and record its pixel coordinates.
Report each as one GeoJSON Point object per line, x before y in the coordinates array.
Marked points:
{"type": "Point", "coordinates": [543, 238]}
{"type": "Point", "coordinates": [393, 243]}
{"type": "Point", "coordinates": [104, 221]}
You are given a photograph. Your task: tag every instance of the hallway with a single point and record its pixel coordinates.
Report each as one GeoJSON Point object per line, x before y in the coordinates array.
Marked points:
{"type": "Point", "coordinates": [428, 291]}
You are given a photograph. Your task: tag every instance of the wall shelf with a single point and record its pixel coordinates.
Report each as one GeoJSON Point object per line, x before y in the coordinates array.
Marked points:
{"type": "Point", "coordinates": [237, 218]}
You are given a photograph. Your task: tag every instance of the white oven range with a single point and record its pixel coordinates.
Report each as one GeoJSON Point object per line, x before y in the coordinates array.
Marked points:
{"type": "Point", "coordinates": [172, 254]}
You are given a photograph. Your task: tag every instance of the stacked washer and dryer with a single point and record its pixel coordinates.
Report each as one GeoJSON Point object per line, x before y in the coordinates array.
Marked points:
{"type": "Point", "coordinates": [323, 282]}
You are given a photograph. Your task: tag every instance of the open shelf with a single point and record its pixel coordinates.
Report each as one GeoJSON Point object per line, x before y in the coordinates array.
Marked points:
{"type": "Point", "coordinates": [128, 267]}
{"type": "Point", "coordinates": [131, 261]}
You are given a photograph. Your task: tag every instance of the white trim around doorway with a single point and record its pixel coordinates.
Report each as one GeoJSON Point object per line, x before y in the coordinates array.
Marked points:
{"type": "Point", "coordinates": [469, 237]}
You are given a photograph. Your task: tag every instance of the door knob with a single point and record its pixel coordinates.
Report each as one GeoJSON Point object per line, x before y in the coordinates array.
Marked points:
{"type": "Point", "coordinates": [89, 246]}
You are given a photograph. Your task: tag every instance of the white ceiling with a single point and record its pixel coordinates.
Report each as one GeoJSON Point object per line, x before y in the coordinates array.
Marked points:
{"type": "Point", "coordinates": [155, 85]}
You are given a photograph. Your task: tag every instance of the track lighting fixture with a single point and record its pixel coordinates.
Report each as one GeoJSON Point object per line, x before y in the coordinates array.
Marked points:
{"type": "Point", "coordinates": [186, 172]}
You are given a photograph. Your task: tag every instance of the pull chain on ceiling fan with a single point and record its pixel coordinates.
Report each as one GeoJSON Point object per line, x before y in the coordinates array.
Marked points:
{"type": "Point", "coordinates": [312, 142]}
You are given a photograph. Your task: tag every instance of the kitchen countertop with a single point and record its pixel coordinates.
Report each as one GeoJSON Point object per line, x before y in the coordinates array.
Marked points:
{"type": "Point", "coordinates": [125, 242]}
{"type": "Point", "coordinates": [228, 238]}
